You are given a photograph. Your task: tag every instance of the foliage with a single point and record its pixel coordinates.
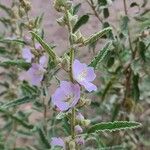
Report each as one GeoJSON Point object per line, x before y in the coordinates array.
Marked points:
{"type": "Point", "coordinates": [120, 54]}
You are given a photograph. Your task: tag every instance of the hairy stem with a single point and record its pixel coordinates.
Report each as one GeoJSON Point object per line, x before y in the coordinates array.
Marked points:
{"type": "Point", "coordinates": [71, 75]}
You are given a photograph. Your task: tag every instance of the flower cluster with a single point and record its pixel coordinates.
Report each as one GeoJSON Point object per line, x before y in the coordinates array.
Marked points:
{"type": "Point", "coordinates": [34, 75]}
{"type": "Point", "coordinates": [67, 96]}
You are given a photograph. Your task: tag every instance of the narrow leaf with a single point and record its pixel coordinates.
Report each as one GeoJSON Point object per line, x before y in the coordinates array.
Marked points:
{"type": "Point", "coordinates": [19, 63]}
{"type": "Point", "coordinates": [47, 48]}
{"type": "Point", "coordinates": [76, 8]}
{"type": "Point", "coordinates": [93, 38]}
{"type": "Point", "coordinates": [43, 138]}
{"type": "Point", "coordinates": [18, 120]}
{"type": "Point", "coordinates": [101, 55]}
{"type": "Point", "coordinates": [114, 126]}
{"type": "Point", "coordinates": [82, 20]}
{"type": "Point", "coordinates": [136, 91]}
{"type": "Point", "coordinates": [17, 102]}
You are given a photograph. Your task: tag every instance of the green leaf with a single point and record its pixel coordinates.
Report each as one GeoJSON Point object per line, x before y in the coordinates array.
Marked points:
{"type": "Point", "coordinates": [43, 138]}
{"type": "Point", "coordinates": [106, 12]}
{"type": "Point", "coordinates": [17, 119]}
{"type": "Point", "coordinates": [114, 126]}
{"type": "Point", "coordinates": [136, 91]}
{"type": "Point", "coordinates": [82, 20]}
{"type": "Point", "coordinates": [102, 2]}
{"type": "Point", "coordinates": [124, 25]}
{"type": "Point", "coordinates": [17, 102]}
{"type": "Point", "coordinates": [93, 38]}
{"type": "Point", "coordinates": [142, 50]}
{"type": "Point", "coordinates": [8, 40]}
{"type": "Point", "coordinates": [76, 8]}
{"type": "Point", "coordinates": [6, 9]}
{"type": "Point", "coordinates": [19, 63]}
{"type": "Point", "coordinates": [101, 55]}
{"type": "Point", "coordinates": [47, 48]}
{"type": "Point", "coordinates": [134, 4]}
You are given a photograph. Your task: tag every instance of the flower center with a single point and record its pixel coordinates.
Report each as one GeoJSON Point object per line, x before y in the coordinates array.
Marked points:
{"type": "Point", "coordinates": [69, 98]}
{"type": "Point", "coordinates": [82, 75]}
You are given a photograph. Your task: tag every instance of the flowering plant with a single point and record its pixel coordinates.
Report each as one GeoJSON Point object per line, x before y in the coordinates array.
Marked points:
{"type": "Point", "coordinates": [52, 101]}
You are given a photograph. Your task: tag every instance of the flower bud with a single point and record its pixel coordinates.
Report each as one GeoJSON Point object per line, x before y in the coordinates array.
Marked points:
{"type": "Point", "coordinates": [61, 21]}
{"type": "Point", "coordinates": [61, 5]}
{"type": "Point", "coordinates": [79, 117]}
{"type": "Point", "coordinates": [78, 129]}
{"type": "Point", "coordinates": [80, 141]}
{"type": "Point", "coordinates": [65, 64]}
{"type": "Point", "coordinates": [21, 12]}
{"type": "Point", "coordinates": [73, 19]}
{"type": "Point", "coordinates": [72, 145]}
{"type": "Point", "coordinates": [85, 122]}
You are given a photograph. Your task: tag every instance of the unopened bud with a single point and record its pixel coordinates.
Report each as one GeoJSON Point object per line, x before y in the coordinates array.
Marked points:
{"type": "Point", "coordinates": [80, 141]}
{"type": "Point", "coordinates": [61, 21]}
{"type": "Point", "coordinates": [73, 19]}
{"type": "Point", "coordinates": [86, 122]}
{"type": "Point", "coordinates": [78, 129]}
{"type": "Point", "coordinates": [72, 145]}
{"type": "Point", "coordinates": [65, 64]}
{"type": "Point", "coordinates": [79, 117]}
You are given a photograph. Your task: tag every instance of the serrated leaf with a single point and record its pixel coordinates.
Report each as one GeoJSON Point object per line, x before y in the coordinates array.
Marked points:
{"type": "Point", "coordinates": [46, 47]}
{"type": "Point", "coordinates": [17, 102]}
{"type": "Point", "coordinates": [113, 126]}
{"type": "Point", "coordinates": [82, 20]}
{"type": "Point", "coordinates": [93, 38]}
{"type": "Point", "coordinates": [17, 119]}
{"type": "Point", "coordinates": [8, 40]}
{"type": "Point", "coordinates": [43, 138]}
{"type": "Point", "coordinates": [19, 63]}
{"type": "Point", "coordinates": [101, 55]}
{"type": "Point", "coordinates": [6, 9]}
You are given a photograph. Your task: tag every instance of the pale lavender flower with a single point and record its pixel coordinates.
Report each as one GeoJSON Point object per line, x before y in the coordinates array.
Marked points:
{"type": "Point", "coordinates": [84, 75]}
{"type": "Point", "coordinates": [57, 141]}
{"type": "Point", "coordinates": [66, 96]}
{"type": "Point", "coordinates": [34, 75]}
{"type": "Point", "coordinates": [78, 129]}
{"type": "Point", "coordinates": [27, 55]}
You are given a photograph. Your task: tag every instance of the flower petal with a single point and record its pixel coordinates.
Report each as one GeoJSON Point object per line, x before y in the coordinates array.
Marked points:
{"type": "Point", "coordinates": [58, 142]}
{"type": "Point", "coordinates": [27, 55]}
{"type": "Point", "coordinates": [78, 68]}
{"type": "Point", "coordinates": [90, 74]}
{"type": "Point", "coordinates": [89, 86]}
{"type": "Point", "coordinates": [44, 61]}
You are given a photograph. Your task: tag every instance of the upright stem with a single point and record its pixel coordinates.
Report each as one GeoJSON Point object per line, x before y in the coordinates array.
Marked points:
{"type": "Point", "coordinates": [71, 74]}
